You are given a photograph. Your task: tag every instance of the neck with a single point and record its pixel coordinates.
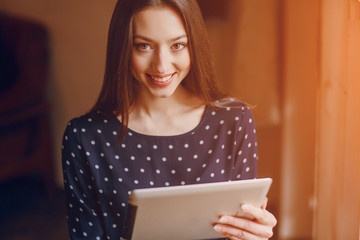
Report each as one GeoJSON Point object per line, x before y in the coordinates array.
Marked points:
{"type": "Point", "coordinates": [155, 106]}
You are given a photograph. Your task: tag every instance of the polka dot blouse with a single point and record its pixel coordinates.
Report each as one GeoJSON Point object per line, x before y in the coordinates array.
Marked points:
{"type": "Point", "coordinates": [100, 172]}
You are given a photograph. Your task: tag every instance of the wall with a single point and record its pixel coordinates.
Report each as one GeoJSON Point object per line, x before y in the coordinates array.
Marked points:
{"type": "Point", "coordinates": [300, 33]}
{"type": "Point", "coordinates": [337, 215]}
{"type": "Point", "coordinates": [78, 32]}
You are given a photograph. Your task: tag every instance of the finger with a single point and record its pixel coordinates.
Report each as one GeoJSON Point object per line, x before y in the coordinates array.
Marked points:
{"type": "Point", "coordinates": [261, 215]}
{"type": "Point", "coordinates": [247, 226]}
{"type": "Point", "coordinates": [234, 233]}
{"type": "Point", "coordinates": [264, 204]}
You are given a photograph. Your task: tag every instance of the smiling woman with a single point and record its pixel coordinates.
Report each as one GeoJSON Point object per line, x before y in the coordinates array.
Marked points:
{"type": "Point", "coordinates": [159, 121]}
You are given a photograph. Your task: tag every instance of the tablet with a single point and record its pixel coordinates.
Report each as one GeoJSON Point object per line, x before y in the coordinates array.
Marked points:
{"type": "Point", "coordinates": [189, 211]}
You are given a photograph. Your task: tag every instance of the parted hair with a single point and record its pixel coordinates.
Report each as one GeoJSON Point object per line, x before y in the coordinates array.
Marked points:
{"type": "Point", "coordinates": [119, 90]}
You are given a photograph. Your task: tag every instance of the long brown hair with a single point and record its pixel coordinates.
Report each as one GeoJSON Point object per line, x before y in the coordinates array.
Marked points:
{"type": "Point", "coordinates": [119, 90]}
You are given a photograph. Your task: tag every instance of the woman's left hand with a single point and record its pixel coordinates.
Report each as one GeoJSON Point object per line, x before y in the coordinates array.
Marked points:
{"type": "Point", "coordinates": [237, 228]}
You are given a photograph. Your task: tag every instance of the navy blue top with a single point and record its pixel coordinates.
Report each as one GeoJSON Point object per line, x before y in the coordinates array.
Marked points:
{"type": "Point", "coordinates": [100, 172]}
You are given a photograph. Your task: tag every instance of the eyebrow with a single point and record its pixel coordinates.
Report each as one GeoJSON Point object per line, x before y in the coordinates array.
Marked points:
{"type": "Point", "coordinates": [150, 40]}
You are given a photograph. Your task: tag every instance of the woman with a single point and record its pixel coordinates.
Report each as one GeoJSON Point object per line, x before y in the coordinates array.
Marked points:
{"type": "Point", "coordinates": [159, 121]}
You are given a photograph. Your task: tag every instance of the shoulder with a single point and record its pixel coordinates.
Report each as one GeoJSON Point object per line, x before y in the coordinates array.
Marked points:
{"type": "Point", "coordinates": [231, 106]}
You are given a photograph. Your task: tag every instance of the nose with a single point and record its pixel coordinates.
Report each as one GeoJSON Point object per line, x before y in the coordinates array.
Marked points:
{"type": "Point", "coordinates": [161, 60]}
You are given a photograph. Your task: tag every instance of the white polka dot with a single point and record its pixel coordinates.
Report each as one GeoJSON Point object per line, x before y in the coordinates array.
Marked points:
{"type": "Point", "coordinates": [67, 162]}
{"type": "Point", "coordinates": [83, 130]}
{"type": "Point", "coordinates": [250, 120]}
{"type": "Point", "coordinates": [87, 154]}
{"type": "Point", "coordinates": [180, 158]}
{"type": "Point", "coordinates": [229, 157]}
{"type": "Point", "coordinates": [222, 146]}
{"type": "Point", "coordinates": [117, 156]}
{"type": "Point", "coordinates": [188, 169]}
{"type": "Point", "coordinates": [171, 146]}
{"type": "Point", "coordinates": [195, 156]}
{"type": "Point", "coordinates": [186, 145]}
{"type": "Point", "coordinates": [114, 133]}
{"type": "Point", "coordinates": [142, 170]}
{"type": "Point", "coordinates": [167, 184]}
{"type": "Point", "coordinates": [126, 169]}
{"type": "Point", "coordinates": [210, 151]}
{"type": "Point", "coordinates": [207, 127]}
{"type": "Point", "coordinates": [79, 147]}
{"type": "Point", "coordinates": [136, 181]}
{"type": "Point", "coordinates": [114, 226]}
{"type": "Point", "coordinates": [91, 224]}
{"type": "Point", "coordinates": [244, 160]}
{"type": "Point", "coordinates": [123, 145]}
{"type": "Point", "coordinates": [222, 171]}
{"type": "Point", "coordinates": [139, 146]}
{"type": "Point", "coordinates": [155, 147]}
{"type": "Point", "coordinates": [164, 159]}
{"type": "Point", "coordinates": [123, 204]}
{"type": "Point", "coordinates": [99, 131]}
{"type": "Point", "coordinates": [130, 134]}
{"type": "Point", "coordinates": [72, 154]}
{"type": "Point", "coordinates": [246, 136]}
{"type": "Point", "coordinates": [90, 119]}
{"type": "Point", "coordinates": [102, 155]}
{"type": "Point", "coordinates": [74, 130]}
{"type": "Point", "coordinates": [237, 118]}
{"type": "Point", "coordinates": [212, 175]}
{"type": "Point", "coordinates": [217, 160]}
{"type": "Point", "coordinates": [197, 179]}
{"type": "Point", "coordinates": [105, 214]}
{"type": "Point", "coordinates": [108, 144]}
{"type": "Point", "coordinates": [201, 142]}
{"type": "Point", "coordinates": [240, 152]}
{"type": "Point", "coordinates": [213, 113]}
{"type": "Point", "coordinates": [151, 183]}
{"type": "Point", "coordinates": [148, 158]}
{"type": "Point", "coordinates": [249, 145]}
{"type": "Point", "coordinates": [229, 132]}
{"type": "Point", "coordinates": [238, 176]}
{"type": "Point", "coordinates": [81, 171]}
{"type": "Point", "coordinates": [132, 158]}
{"type": "Point", "coordinates": [240, 128]}
{"type": "Point", "coordinates": [204, 165]}
{"type": "Point", "coordinates": [216, 137]}
{"type": "Point", "coordinates": [228, 109]}
{"type": "Point", "coordinates": [254, 155]}
{"type": "Point", "coordinates": [182, 183]}
{"type": "Point", "coordinates": [106, 179]}
{"type": "Point", "coordinates": [85, 234]}
{"type": "Point", "coordinates": [247, 169]}
{"type": "Point", "coordinates": [157, 171]}
{"type": "Point", "coordinates": [221, 121]}
{"type": "Point", "coordinates": [114, 192]}
{"type": "Point", "coordinates": [111, 167]}
{"type": "Point", "coordinates": [97, 166]}
{"type": "Point", "coordinates": [74, 230]}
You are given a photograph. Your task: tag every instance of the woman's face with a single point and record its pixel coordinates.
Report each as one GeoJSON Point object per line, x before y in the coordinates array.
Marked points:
{"type": "Point", "coordinates": [160, 55]}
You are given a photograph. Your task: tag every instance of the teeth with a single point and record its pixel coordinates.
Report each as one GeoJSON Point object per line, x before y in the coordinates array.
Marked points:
{"type": "Point", "coordinates": [164, 79]}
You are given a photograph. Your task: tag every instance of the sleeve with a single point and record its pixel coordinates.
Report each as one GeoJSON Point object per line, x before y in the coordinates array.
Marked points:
{"type": "Point", "coordinates": [246, 156]}
{"type": "Point", "coordinates": [81, 204]}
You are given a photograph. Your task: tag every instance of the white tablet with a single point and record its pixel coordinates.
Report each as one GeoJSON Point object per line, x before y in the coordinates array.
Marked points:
{"type": "Point", "coordinates": [189, 211]}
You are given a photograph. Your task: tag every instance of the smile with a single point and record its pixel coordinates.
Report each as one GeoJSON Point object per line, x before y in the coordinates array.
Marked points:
{"type": "Point", "coordinates": [161, 80]}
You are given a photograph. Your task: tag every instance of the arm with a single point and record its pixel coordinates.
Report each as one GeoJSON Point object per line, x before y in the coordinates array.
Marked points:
{"type": "Point", "coordinates": [82, 209]}
{"type": "Point", "coordinates": [245, 167]}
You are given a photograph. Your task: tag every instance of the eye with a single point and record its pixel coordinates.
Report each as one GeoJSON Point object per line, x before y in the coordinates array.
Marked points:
{"type": "Point", "coordinates": [178, 46]}
{"type": "Point", "coordinates": [143, 47]}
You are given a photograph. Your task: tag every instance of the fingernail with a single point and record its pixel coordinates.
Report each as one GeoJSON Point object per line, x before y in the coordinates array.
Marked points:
{"type": "Point", "coordinates": [217, 228]}
{"type": "Point", "coordinates": [223, 220]}
{"type": "Point", "coordinates": [245, 207]}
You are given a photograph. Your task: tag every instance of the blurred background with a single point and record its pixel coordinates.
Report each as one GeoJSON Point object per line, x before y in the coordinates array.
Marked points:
{"type": "Point", "coordinates": [297, 63]}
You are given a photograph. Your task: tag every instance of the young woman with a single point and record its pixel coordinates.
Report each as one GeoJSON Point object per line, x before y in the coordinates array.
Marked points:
{"type": "Point", "coordinates": [159, 121]}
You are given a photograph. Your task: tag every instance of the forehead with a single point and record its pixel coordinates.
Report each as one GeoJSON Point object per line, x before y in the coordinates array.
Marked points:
{"type": "Point", "coordinates": [158, 22]}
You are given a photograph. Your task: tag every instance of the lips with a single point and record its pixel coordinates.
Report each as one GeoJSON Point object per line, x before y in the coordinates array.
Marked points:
{"type": "Point", "coordinates": [161, 80]}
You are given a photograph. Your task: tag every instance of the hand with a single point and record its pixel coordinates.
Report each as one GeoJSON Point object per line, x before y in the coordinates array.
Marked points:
{"type": "Point", "coordinates": [237, 228]}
